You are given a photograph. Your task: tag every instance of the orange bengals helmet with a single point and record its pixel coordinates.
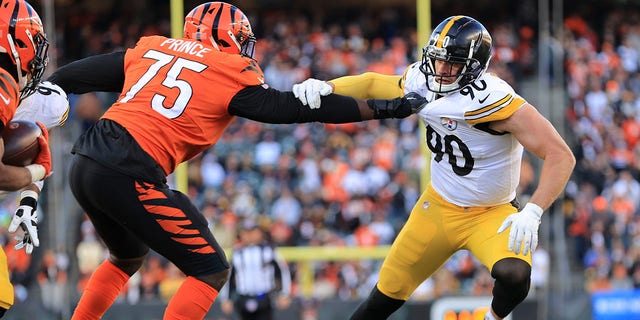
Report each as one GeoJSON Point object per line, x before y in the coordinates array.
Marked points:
{"type": "Point", "coordinates": [221, 25]}
{"type": "Point", "coordinates": [22, 37]}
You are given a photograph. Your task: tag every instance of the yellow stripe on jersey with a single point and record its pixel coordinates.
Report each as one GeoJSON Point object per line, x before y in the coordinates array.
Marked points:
{"type": "Point", "coordinates": [499, 110]}
{"type": "Point", "coordinates": [500, 102]}
{"type": "Point", "coordinates": [445, 30]}
{"type": "Point", "coordinates": [64, 117]}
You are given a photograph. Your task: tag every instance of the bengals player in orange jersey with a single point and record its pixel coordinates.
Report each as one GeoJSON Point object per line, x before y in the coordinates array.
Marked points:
{"type": "Point", "coordinates": [177, 98]}
{"type": "Point", "coordinates": [23, 58]}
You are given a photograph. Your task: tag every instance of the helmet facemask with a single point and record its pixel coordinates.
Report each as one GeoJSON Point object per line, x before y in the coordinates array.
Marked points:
{"type": "Point", "coordinates": [36, 66]}
{"type": "Point", "coordinates": [245, 40]}
{"type": "Point", "coordinates": [248, 45]}
{"type": "Point", "coordinates": [471, 69]}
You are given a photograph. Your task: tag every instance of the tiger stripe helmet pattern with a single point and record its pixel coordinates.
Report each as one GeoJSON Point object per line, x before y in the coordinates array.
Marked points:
{"type": "Point", "coordinates": [221, 25]}
{"type": "Point", "coordinates": [460, 40]}
{"type": "Point", "coordinates": [22, 37]}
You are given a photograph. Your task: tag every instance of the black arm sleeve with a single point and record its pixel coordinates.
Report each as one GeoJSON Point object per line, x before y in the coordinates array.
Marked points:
{"type": "Point", "coordinates": [273, 106]}
{"type": "Point", "coordinates": [104, 72]}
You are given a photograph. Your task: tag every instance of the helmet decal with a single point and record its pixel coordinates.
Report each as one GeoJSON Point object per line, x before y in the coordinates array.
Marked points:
{"type": "Point", "coordinates": [440, 40]}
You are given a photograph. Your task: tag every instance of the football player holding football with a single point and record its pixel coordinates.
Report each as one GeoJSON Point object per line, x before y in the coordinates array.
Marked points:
{"type": "Point", "coordinates": [23, 58]}
{"type": "Point", "coordinates": [476, 128]}
{"type": "Point", "coordinates": [178, 95]}
{"type": "Point", "coordinates": [49, 106]}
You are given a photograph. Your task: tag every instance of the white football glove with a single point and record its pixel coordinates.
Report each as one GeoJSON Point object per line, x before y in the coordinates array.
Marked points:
{"type": "Point", "coordinates": [48, 104]}
{"type": "Point", "coordinates": [310, 91]}
{"type": "Point", "coordinates": [26, 217]}
{"type": "Point", "coordinates": [524, 228]}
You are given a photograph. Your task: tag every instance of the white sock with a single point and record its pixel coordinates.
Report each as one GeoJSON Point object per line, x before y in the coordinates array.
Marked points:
{"type": "Point", "coordinates": [489, 315]}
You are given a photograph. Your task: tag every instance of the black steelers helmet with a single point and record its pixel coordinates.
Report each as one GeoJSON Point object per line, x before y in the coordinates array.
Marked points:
{"type": "Point", "coordinates": [460, 40]}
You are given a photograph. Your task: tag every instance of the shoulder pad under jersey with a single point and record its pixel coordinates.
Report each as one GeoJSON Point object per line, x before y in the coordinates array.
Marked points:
{"type": "Point", "coordinates": [492, 99]}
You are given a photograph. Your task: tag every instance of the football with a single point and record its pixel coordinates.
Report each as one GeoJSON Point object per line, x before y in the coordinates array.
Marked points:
{"type": "Point", "coordinates": [20, 142]}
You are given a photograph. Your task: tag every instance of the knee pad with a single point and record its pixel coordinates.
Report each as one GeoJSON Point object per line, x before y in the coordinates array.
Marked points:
{"type": "Point", "coordinates": [513, 278]}
{"type": "Point", "coordinates": [512, 272]}
{"type": "Point", "coordinates": [128, 266]}
{"type": "Point", "coordinates": [216, 280]}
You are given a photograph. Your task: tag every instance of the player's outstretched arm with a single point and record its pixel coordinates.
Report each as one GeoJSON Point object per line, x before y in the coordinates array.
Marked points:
{"type": "Point", "coordinates": [368, 85]}
{"type": "Point", "coordinates": [104, 72]}
{"type": "Point", "coordinates": [273, 106]}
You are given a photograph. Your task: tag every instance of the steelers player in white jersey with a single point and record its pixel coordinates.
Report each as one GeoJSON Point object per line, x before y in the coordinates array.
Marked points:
{"type": "Point", "coordinates": [477, 127]}
{"type": "Point", "coordinates": [49, 105]}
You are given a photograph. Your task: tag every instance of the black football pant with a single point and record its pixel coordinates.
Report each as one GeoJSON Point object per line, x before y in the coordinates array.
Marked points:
{"type": "Point", "coordinates": [132, 216]}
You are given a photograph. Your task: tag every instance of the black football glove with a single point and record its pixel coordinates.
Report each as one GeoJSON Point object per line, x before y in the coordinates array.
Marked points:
{"type": "Point", "coordinates": [397, 108]}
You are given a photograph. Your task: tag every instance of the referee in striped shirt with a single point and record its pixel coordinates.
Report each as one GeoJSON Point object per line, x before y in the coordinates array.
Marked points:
{"type": "Point", "coordinates": [259, 277]}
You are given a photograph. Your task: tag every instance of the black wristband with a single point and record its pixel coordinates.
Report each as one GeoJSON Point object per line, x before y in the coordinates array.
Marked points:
{"type": "Point", "coordinates": [29, 201]}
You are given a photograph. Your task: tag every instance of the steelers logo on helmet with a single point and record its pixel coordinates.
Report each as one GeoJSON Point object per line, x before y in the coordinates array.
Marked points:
{"type": "Point", "coordinates": [464, 46]}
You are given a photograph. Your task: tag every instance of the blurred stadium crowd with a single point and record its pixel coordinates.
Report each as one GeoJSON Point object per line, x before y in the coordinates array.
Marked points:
{"type": "Point", "coordinates": [353, 185]}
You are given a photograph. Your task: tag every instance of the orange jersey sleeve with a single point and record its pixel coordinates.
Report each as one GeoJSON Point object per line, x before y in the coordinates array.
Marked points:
{"type": "Point", "coordinates": [176, 94]}
{"type": "Point", "coordinates": [9, 97]}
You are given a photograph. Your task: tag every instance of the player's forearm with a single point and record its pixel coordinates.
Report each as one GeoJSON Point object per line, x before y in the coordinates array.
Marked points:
{"type": "Point", "coordinates": [555, 173]}
{"type": "Point", "coordinates": [14, 178]}
{"type": "Point", "coordinates": [274, 106]}
{"type": "Point", "coordinates": [368, 85]}
{"type": "Point", "coordinates": [36, 186]}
